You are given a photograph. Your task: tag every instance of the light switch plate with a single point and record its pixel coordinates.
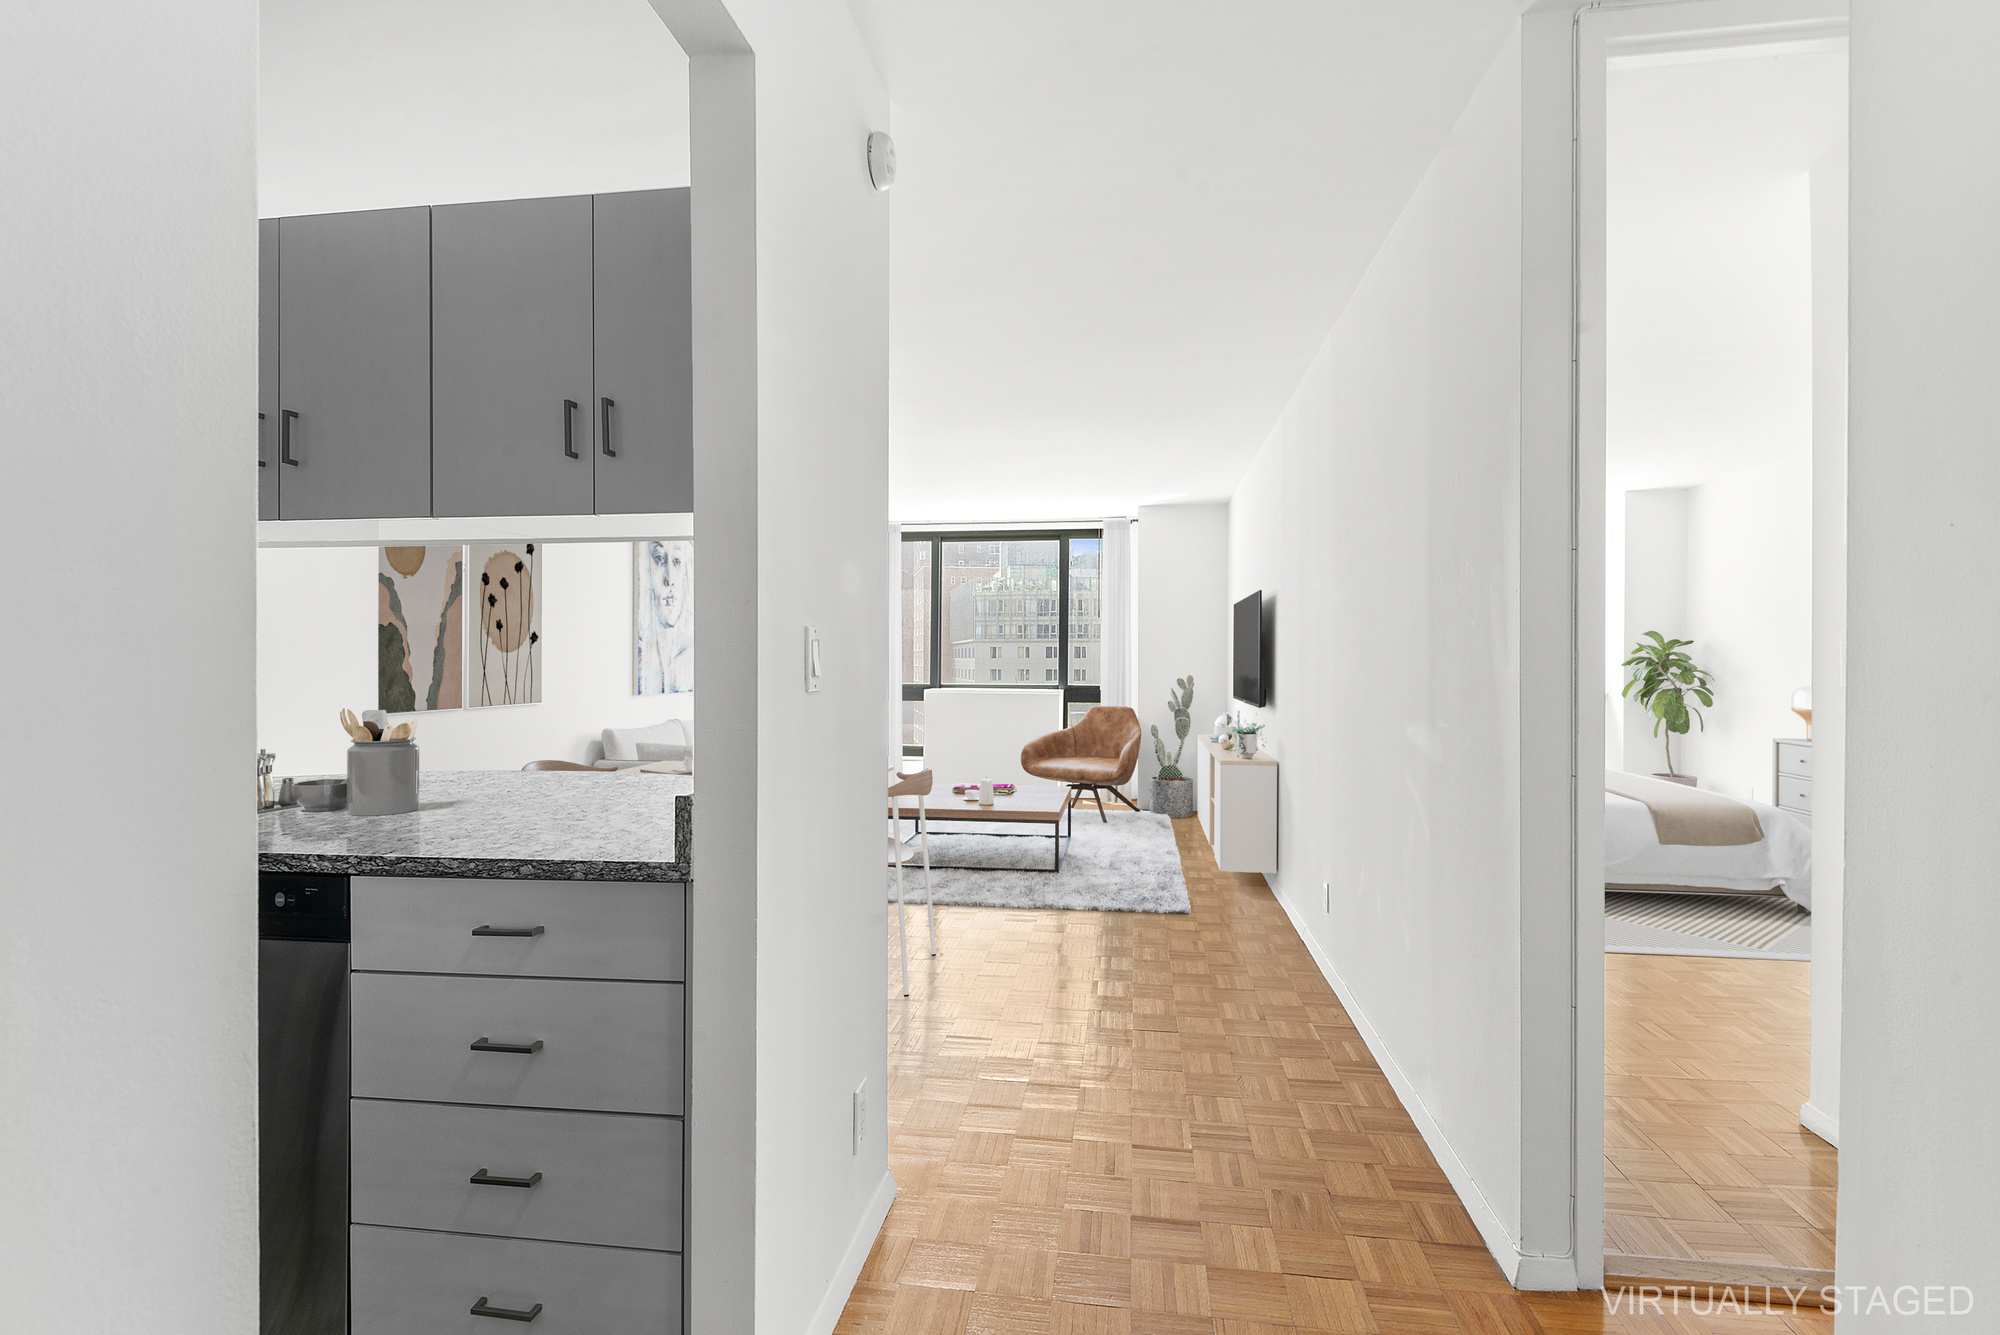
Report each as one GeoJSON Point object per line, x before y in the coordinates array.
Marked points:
{"type": "Point", "coordinates": [812, 658]}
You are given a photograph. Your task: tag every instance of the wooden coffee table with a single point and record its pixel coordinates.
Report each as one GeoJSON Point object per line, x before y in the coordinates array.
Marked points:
{"type": "Point", "coordinates": [1031, 804]}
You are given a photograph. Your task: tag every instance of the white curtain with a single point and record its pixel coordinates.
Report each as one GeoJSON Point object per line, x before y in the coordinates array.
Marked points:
{"type": "Point", "coordinates": [1115, 595]}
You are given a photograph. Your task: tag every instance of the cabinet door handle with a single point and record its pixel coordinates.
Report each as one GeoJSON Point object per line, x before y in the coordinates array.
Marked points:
{"type": "Point", "coordinates": [528, 1049]}
{"type": "Point", "coordinates": [260, 442]}
{"type": "Point", "coordinates": [482, 1178]}
{"type": "Point", "coordinates": [482, 1308]}
{"type": "Point", "coordinates": [486, 929]}
{"type": "Point", "coordinates": [569, 429]}
{"type": "Point", "coordinates": [285, 419]}
{"type": "Point", "coordinates": [604, 407]}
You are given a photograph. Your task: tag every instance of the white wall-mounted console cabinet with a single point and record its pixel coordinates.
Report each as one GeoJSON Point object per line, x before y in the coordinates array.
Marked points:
{"type": "Point", "coordinates": [1237, 800]}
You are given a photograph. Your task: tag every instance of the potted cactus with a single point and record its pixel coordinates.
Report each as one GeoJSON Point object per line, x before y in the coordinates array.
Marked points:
{"type": "Point", "coordinates": [1173, 791]}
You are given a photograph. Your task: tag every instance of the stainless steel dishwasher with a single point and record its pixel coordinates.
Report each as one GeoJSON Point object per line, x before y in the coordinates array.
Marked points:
{"type": "Point", "coordinates": [302, 1102]}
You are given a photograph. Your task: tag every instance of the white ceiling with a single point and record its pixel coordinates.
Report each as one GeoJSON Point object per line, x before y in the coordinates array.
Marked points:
{"type": "Point", "coordinates": [379, 103]}
{"type": "Point", "coordinates": [1121, 229]}
{"type": "Point", "coordinates": [1709, 260]}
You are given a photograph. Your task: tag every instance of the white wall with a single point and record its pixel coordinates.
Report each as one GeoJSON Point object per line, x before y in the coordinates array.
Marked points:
{"type": "Point", "coordinates": [1382, 519]}
{"type": "Point", "coordinates": [1727, 564]}
{"type": "Point", "coordinates": [376, 104]}
{"type": "Point", "coordinates": [1750, 616]}
{"type": "Point", "coordinates": [128, 941]}
{"type": "Point", "coordinates": [1655, 597]}
{"type": "Point", "coordinates": [316, 610]}
{"type": "Point", "coordinates": [1918, 1178]}
{"type": "Point", "coordinates": [822, 498]}
{"type": "Point", "coordinates": [1181, 577]}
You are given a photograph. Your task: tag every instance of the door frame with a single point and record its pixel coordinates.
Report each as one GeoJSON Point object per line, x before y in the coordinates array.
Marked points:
{"type": "Point", "coordinates": [1604, 29]}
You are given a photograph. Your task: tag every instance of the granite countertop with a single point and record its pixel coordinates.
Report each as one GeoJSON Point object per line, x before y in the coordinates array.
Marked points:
{"type": "Point", "coordinates": [627, 826]}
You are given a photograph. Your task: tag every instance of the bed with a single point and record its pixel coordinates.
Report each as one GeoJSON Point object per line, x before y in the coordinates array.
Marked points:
{"type": "Point", "coordinates": [1635, 858]}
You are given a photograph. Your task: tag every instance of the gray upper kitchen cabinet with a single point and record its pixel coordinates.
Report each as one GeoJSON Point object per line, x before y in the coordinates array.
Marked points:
{"type": "Point", "coordinates": [353, 428]}
{"type": "Point", "coordinates": [267, 368]}
{"type": "Point", "coordinates": [514, 430]}
{"type": "Point", "coordinates": [645, 353]}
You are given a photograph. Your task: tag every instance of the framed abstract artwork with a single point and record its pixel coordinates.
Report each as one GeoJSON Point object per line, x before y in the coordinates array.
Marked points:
{"type": "Point", "coordinates": [663, 617]}
{"type": "Point", "coordinates": [420, 629]}
{"type": "Point", "coordinates": [505, 662]}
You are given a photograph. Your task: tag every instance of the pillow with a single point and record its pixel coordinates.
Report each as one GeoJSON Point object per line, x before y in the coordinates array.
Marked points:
{"type": "Point", "coordinates": [623, 743]}
{"type": "Point", "coordinates": [661, 751]}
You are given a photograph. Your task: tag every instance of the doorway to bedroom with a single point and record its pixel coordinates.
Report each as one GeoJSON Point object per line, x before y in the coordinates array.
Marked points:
{"type": "Point", "coordinates": [1713, 240]}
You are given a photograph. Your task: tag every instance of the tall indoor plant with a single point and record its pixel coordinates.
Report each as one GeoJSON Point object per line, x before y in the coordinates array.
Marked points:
{"type": "Point", "coordinates": [1663, 678]}
{"type": "Point", "coordinates": [1173, 791]}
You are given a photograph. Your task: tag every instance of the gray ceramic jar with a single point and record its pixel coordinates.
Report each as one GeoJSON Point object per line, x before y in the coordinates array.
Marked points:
{"type": "Point", "coordinates": [381, 778]}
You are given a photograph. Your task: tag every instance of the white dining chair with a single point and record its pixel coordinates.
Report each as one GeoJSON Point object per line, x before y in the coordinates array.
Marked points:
{"type": "Point", "coordinates": [916, 785]}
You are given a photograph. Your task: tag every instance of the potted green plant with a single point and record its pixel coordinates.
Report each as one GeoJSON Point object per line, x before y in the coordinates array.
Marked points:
{"type": "Point", "coordinates": [1247, 738]}
{"type": "Point", "coordinates": [1663, 677]}
{"type": "Point", "coordinates": [1173, 791]}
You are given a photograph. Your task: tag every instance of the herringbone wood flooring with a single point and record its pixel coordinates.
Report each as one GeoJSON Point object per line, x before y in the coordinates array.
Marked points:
{"type": "Point", "coordinates": [1705, 1068]}
{"type": "Point", "coordinates": [1123, 1124]}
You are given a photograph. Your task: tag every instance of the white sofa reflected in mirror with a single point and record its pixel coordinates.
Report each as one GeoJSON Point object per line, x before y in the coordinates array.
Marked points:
{"type": "Point", "coordinates": [670, 741]}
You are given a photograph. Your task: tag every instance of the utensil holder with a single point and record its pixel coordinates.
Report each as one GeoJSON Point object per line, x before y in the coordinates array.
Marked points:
{"type": "Point", "coordinates": [381, 778]}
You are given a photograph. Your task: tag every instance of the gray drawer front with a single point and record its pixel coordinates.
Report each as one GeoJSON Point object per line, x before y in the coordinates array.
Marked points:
{"type": "Point", "coordinates": [614, 1180]}
{"type": "Point", "coordinates": [1794, 792]}
{"type": "Point", "coordinates": [606, 1047]}
{"type": "Point", "coordinates": [1795, 758]}
{"type": "Point", "coordinates": [407, 1282]}
{"type": "Point", "coordinates": [590, 929]}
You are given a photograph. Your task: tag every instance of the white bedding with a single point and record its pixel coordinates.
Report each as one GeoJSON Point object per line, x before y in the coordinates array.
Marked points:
{"type": "Point", "coordinates": [1634, 855]}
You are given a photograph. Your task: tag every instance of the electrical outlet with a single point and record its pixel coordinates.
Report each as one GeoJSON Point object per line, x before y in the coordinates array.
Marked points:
{"type": "Point", "coordinates": [860, 1115]}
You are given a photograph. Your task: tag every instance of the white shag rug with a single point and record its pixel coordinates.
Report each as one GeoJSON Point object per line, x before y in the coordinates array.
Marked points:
{"type": "Point", "coordinates": [1755, 927]}
{"type": "Point", "coordinates": [1126, 865]}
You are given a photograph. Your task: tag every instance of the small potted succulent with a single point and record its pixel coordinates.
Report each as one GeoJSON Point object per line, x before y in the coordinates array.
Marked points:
{"type": "Point", "coordinates": [1246, 738]}
{"type": "Point", "coordinates": [1173, 791]}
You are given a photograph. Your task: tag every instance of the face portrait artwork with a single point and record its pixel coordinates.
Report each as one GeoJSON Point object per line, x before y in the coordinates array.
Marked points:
{"type": "Point", "coordinates": [663, 617]}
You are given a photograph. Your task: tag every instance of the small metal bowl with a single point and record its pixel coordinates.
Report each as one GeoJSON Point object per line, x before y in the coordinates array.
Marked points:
{"type": "Point", "coordinates": [321, 794]}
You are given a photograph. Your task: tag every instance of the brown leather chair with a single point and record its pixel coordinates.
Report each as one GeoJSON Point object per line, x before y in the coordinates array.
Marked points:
{"type": "Point", "coordinates": [1100, 752]}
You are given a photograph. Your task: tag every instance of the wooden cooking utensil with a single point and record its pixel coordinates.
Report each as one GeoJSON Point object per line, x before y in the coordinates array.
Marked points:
{"type": "Point", "coordinates": [374, 730]}
{"type": "Point", "coordinates": [352, 726]}
{"type": "Point", "coordinates": [402, 732]}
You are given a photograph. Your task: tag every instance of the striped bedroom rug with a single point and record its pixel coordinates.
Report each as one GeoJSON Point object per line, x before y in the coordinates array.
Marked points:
{"type": "Point", "coordinates": [1728, 926]}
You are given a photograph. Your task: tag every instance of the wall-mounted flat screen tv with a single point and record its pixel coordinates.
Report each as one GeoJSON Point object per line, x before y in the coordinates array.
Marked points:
{"type": "Point", "coordinates": [1251, 678]}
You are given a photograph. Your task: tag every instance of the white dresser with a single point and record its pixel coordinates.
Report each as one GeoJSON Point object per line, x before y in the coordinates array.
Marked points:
{"type": "Point", "coordinates": [1791, 776]}
{"type": "Point", "coordinates": [1237, 800]}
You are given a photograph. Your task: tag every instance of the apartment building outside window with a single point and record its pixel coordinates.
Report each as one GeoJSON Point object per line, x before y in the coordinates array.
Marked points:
{"type": "Point", "coordinates": [990, 591]}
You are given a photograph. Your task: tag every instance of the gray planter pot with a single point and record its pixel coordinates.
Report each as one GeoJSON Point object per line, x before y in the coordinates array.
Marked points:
{"type": "Point", "coordinates": [1174, 797]}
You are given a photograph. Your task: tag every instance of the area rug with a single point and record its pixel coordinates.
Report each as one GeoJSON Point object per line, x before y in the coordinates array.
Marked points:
{"type": "Point", "coordinates": [1726, 926]}
{"type": "Point", "coordinates": [1126, 865]}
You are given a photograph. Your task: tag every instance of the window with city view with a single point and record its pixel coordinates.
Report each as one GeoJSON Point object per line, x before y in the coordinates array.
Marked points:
{"type": "Point", "coordinates": [1009, 610]}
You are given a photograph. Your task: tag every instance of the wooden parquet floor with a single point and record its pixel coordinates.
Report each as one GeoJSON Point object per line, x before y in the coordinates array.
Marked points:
{"type": "Point", "coordinates": [1705, 1069]}
{"type": "Point", "coordinates": [1145, 1124]}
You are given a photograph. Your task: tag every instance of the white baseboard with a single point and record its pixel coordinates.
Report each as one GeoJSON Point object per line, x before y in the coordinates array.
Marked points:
{"type": "Point", "coordinates": [856, 1256]}
{"type": "Point", "coordinates": [1815, 1120]}
{"type": "Point", "coordinates": [1544, 1273]}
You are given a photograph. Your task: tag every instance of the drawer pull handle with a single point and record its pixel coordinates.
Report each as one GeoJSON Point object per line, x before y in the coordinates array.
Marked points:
{"type": "Point", "coordinates": [486, 929]}
{"type": "Point", "coordinates": [482, 1308]}
{"type": "Point", "coordinates": [482, 1178]}
{"type": "Point", "coordinates": [527, 1049]}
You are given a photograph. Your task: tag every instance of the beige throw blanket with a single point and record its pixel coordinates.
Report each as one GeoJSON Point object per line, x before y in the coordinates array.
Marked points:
{"type": "Point", "coordinates": [1683, 815]}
